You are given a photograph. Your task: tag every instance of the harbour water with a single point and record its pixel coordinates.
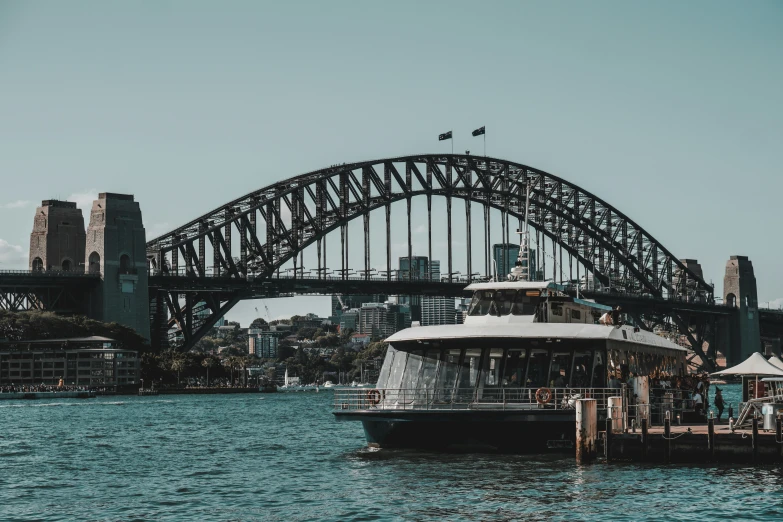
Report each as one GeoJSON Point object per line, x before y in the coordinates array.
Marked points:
{"type": "Point", "coordinates": [283, 457]}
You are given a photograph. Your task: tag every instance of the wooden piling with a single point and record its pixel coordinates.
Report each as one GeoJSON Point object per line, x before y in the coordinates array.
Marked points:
{"type": "Point", "coordinates": [779, 436]}
{"type": "Point", "coordinates": [608, 440]}
{"type": "Point", "coordinates": [755, 438]}
{"type": "Point", "coordinates": [586, 430]}
{"type": "Point", "coordinates": [645, 439]}
{"type": "Point", "coordinates": [711, 437]}
{"type": "Point", "coordinates": [667, 434]}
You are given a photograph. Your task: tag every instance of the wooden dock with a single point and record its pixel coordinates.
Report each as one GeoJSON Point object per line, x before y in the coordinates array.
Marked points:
{"type": "Point", "coordinates": [710, 442]}
{"type": "Point", "coordinates": [698, 443]}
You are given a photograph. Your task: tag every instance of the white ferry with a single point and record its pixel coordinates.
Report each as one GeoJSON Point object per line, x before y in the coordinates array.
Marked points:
{"type": "Point", "coordinates": [508, 378]}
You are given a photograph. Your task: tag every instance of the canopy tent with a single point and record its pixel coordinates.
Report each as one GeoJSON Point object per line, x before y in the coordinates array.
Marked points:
{"type": "Point", "coordinates": [756, 365]}
{"type": "Point", "coordinates": [775, 361]}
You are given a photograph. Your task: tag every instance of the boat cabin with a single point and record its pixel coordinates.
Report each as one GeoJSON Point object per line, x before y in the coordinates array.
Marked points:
{"type": "Point", "coordinates": [530, 301]}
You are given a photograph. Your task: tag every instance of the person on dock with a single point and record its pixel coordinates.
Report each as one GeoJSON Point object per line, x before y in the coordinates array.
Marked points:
{"type": "Point", "coordinates": [698, 403]}
{"type": "Point", "coordinates": [719, 402]}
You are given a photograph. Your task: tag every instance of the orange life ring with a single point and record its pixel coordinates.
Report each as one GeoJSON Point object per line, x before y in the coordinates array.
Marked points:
{"type": "Point", "coordinates": [373, 397]}
{"type": "Point", "coordinates": [543, 396]}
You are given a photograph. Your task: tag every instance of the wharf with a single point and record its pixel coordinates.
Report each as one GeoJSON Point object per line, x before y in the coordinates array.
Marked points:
{"type": "Point", "coordinates": [46, 395]}
{"type": "Point", "coordinates": [698, 443]}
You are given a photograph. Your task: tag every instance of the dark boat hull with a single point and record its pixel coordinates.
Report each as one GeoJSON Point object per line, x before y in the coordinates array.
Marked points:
{"type": "Point", "coordinates": [533, 431]}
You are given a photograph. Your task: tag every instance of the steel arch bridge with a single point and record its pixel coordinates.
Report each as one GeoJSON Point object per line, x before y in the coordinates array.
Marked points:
{"type": "Point", "coordinates": [228, 254]}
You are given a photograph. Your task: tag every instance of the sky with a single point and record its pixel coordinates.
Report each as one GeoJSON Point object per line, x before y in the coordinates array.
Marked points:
{"type": "Point", "coordinates": [670, 111]}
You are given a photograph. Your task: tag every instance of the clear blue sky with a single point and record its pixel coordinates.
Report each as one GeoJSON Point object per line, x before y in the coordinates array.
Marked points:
{"type": "Point", "coordinates": [670, 111]}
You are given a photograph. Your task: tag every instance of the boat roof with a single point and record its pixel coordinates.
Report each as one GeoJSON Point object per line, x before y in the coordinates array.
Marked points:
{"type": "Point", "coordinates": [535, 330]}
{"type": "Point", "coordinates": [516, 285]}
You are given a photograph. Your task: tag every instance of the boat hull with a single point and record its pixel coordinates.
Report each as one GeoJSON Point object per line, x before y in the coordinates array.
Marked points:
{"type": "Point", "coordinates": [537, 431]}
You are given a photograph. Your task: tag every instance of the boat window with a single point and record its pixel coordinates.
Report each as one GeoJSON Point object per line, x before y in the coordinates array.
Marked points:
{"type": "Point", "coordinates": [583, 362]}
{"type": "Point", "coordinates": [525, 304]}
{"type": "Point", "coordinates": [557, 309]}
{"type": "Point", "coordinates": [539, 366]}
{"type": "Point", "coordinates": [447, 375]}
{"type": "Point", "coordinates": [411, 370]}
{"type": "Point", "coordinates": [397, 369]}
{"type": "Point", "coordinates": [383, 377]}
{"type": "Point", "coordinates": [576, 314]}
{"type": "Point", "coordinates": [429, 367]}
{"type": "Point", "coordinates": [480, 305]}
{"type": "Point", "coordinates": [504, 300]}
{"type": "Point", "coordinates": [561, 368]}
{"type": "Point", "coordinates": [514, 372]}
{"type": "Point", "coordinates": [468, 374]}
{"type": "Point", "coordinates": [599, 369]}
{"type": "Point", "coordinates": [491, 372]}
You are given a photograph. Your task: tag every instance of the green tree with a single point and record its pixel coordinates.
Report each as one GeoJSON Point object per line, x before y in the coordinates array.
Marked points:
{"type": "Point", "coordinates": [208, 362]}
{"type": "Point", "coordinates": [178, 363]}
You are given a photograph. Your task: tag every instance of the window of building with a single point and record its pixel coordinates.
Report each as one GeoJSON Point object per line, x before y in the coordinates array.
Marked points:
{"type": "Point", "coordinates": [66, 266]}
{"type": "Point", "coordinates": [95, 263]}
{"type": "Point", "coordinates": [38, 264]}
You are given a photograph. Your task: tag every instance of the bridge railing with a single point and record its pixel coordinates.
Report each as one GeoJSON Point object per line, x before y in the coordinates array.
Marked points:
{"type": "Point", "coordinates": [323, 277]}
{"type": "Point", "coordinates": [49, 273]}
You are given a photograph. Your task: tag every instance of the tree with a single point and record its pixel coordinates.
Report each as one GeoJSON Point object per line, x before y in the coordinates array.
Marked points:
{"type": "Point", "coordinates": [178, 363]}
{"type": "Point", "coordinates": [208, 363]}
{"type": "Point", "coordinates": [259, 323]}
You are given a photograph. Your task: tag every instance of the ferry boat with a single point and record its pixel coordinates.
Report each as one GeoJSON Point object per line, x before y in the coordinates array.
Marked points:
{"type": "Point", "coordinates": [508, 378]}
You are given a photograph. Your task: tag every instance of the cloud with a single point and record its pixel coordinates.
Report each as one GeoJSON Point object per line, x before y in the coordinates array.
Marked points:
{"type": "Point", "coordinates": [11, 256]}
{"type": "Point", "coordinates": [84, 199]}
{"type": "Point", "coordinates": [775, 304]}
{"type": "Point", "coordinates": [19, 203]}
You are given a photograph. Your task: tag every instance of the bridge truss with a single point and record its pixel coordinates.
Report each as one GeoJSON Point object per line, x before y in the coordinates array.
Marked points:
{"type": "Point", "coordinates": [253, 237]}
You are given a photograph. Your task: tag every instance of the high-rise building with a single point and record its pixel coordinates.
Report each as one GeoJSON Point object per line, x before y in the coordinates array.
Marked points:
{"type": "Point", "coordinates": [383, 319]}
{"type": "Point", "coordinates": [505, 257]}
{"type": "Point", "coordinates": [435, 270]}
{"type": "Point", "coordinates": [437, 310]}
{"type": "Point", "coordinates": [263, 343]}
{"type": "Point", "coordinates": [415, 268]}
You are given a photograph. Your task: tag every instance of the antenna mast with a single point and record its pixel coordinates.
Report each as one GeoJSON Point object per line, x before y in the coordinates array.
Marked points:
{"type": "Point", "coordinates": [521, 272]}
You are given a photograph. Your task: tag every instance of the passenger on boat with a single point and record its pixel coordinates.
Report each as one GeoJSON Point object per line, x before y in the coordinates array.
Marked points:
{"type": "Point", "coordinates": [698, 403]}
{"type": "Point", "coordinates": [614, 383]}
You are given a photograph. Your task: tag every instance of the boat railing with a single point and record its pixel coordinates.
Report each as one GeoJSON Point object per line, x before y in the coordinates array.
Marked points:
{"type": "Point", "coordinates": [470, 398]}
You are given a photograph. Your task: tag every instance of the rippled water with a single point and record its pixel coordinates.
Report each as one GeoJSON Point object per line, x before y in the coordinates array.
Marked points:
{"type": "Point", "coordinates": [283, 457]}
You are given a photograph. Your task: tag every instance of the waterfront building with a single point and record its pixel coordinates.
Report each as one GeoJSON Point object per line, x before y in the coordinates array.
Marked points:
{"type": "Point", "coordinates": [81, 361]}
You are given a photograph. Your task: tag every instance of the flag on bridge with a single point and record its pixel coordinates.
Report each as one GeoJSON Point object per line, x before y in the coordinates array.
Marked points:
{"type": "Point", "coordinates": [444, 136]}
{"type": "Point", "coordinates": [479, 131]}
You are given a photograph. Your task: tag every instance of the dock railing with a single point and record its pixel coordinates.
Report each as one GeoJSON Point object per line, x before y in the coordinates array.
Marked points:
{"type": "Point", "coordinates": [469, 398]}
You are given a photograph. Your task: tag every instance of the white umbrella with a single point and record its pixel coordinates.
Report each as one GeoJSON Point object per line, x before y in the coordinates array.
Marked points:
{"type": "Point", "coordinates": [755, 365]}
{"type": "Point", "coordinates": [775, 361]}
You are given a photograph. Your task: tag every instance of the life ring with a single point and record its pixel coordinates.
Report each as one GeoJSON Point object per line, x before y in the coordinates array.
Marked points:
{"type": "Point", "coordinates": [543, 396]}
{"type": "Point", "coordinates": [373, 397]}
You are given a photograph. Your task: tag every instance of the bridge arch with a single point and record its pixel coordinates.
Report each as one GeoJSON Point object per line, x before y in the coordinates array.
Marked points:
{"type": "Point", "coordinates": [276, 223]}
